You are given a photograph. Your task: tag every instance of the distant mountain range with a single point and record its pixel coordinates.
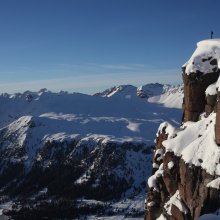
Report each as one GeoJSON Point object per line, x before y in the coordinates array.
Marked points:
{"type": "Point", "coordinates": [85, 148]}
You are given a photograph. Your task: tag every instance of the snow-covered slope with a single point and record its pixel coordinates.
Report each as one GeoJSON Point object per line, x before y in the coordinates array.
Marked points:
{"type": "Point", "coordinates": [190, 143]}
{"type": "Point", "coordinates": [167, 95]}
{"type": "Point", "coordinates": [152, 89]}
{"type": "Point", "coordinates": [121, 116]}
{"type": "Point", "coordinates": [98, 140]}
{"type": "Point", "coordinates": [119, 91]}
{"type": "Point", "coordinates": [32, 119]}
{"type": "Point", "coordinates": [171, 97]}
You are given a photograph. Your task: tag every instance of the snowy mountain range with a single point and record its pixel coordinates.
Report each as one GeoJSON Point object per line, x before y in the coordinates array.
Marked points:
{"type": "Point", "coordinates": [124, 114]}
{"type": "Point", "coordinates": [83, 146]}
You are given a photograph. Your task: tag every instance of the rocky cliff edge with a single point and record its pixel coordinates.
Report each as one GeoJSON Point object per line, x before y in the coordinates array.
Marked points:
{"type": "Point", "coordinates": [185, 182]}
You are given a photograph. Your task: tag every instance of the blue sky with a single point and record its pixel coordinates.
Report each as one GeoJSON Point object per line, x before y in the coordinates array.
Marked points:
{"type": "Point", "coordinates": [90, 45]}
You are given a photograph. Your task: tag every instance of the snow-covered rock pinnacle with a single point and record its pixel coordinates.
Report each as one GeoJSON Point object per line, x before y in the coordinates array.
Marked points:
{"type": "Point", "coordinates": [186, 165]}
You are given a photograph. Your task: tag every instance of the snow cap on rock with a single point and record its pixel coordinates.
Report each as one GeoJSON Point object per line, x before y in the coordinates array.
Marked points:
{"type": "Point", "coordinates": [206, 58]}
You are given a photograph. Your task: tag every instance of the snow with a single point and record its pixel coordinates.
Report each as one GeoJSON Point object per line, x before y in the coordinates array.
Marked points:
{"type": "Point", "coordinates": [155, 165]}
{"type": "Point", "coordinates": [134, 170]}
{"type": "Point", "coordinates": [150, 90]}
{"type": "Point", "coordinates": [134, 127]}
{"type": "Point", "coordinates": [209, 217]}
{"type": "Point", "coordinates": [161, 217]}
{"type": "Point", "coordinates": [31, 119]}
{"type": "Point", "coordinates": [129, 91]}
{"type": "Point", "coordinates": [214, 183]}
{"type": "Point", "coordinates": [82, 179]}
{"type": "Point", "coordinates": [211, 90]}
{"type": "Point", "coordinates": [123, 206]}
{"type": "Point", "coordinates": [191, 144]}
{"type": "Point", "coordinates": [150, 204]}
{"type": "Point", "coordinates": [152, 179]}
{"type": "Point", "coordinates": [167, 95]}
{"type": "Point", "coordinates": [7, 206]}
{"type": "Point", "coordinates": [122, 91]}
{"type": "Point", "coordinates": [206, 51]}
{"type": "Point", "coordinates": [218, 84]}
{"type": "Point", "coordinates": [170, 165]}
{"type": "Point", "coordinates": [159, 154]}
{"type": "Point", "coordinates": [63, 117]}
{"type": "Point", "coordinates": [171, 97]}
{"type": "Point", "coordinates": [175, 200]}
{"type": "Point", "coordinates": [169, 130]}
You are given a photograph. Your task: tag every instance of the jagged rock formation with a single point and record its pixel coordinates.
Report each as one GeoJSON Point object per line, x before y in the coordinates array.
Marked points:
{"type": "Point", "coordinates": [194, 101]}
{"type": "Point", "coordinates": [185, 182]}
{"type": "Point", "coordinates": [217, 126]}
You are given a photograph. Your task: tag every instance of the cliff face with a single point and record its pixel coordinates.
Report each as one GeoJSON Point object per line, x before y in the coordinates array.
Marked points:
{"type": "Point", "coordinates": [217, 125]}
{"type": "Point", "coordinates": [185, 182]}
{"type": "Point", "coordinates": [195, 101]}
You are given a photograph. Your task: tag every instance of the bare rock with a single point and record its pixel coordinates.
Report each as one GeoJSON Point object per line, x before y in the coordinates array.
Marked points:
{"type": "Point", "coordinates": [178, 215]}
{"type": "Point", "coordinates": [217, 125]}
{"type": "Point", "coordinates": [210, 104]}
{"type": "Point", "coordinates": [195, 85]}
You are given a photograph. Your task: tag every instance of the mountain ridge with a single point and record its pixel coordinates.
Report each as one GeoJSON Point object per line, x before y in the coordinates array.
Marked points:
{"type": "Point", "coordinates": [97, 141]}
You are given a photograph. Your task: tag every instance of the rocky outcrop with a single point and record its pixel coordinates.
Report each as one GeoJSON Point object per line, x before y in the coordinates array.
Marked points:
{"type": "Point", "coordinates": [177, 176]}
{"type": "Point", "coordinates": [217, 125]}
{"type": "Point", "coordinates": [194, 192]}
{"type": "Point", "coordinates": [181, 187]}
{"type": "Point", "coordinates": [195, 101]}
{"type": "Point", "coordinates": [210, 104]}
{"type": "Point", "coordinates": [157, 197]}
